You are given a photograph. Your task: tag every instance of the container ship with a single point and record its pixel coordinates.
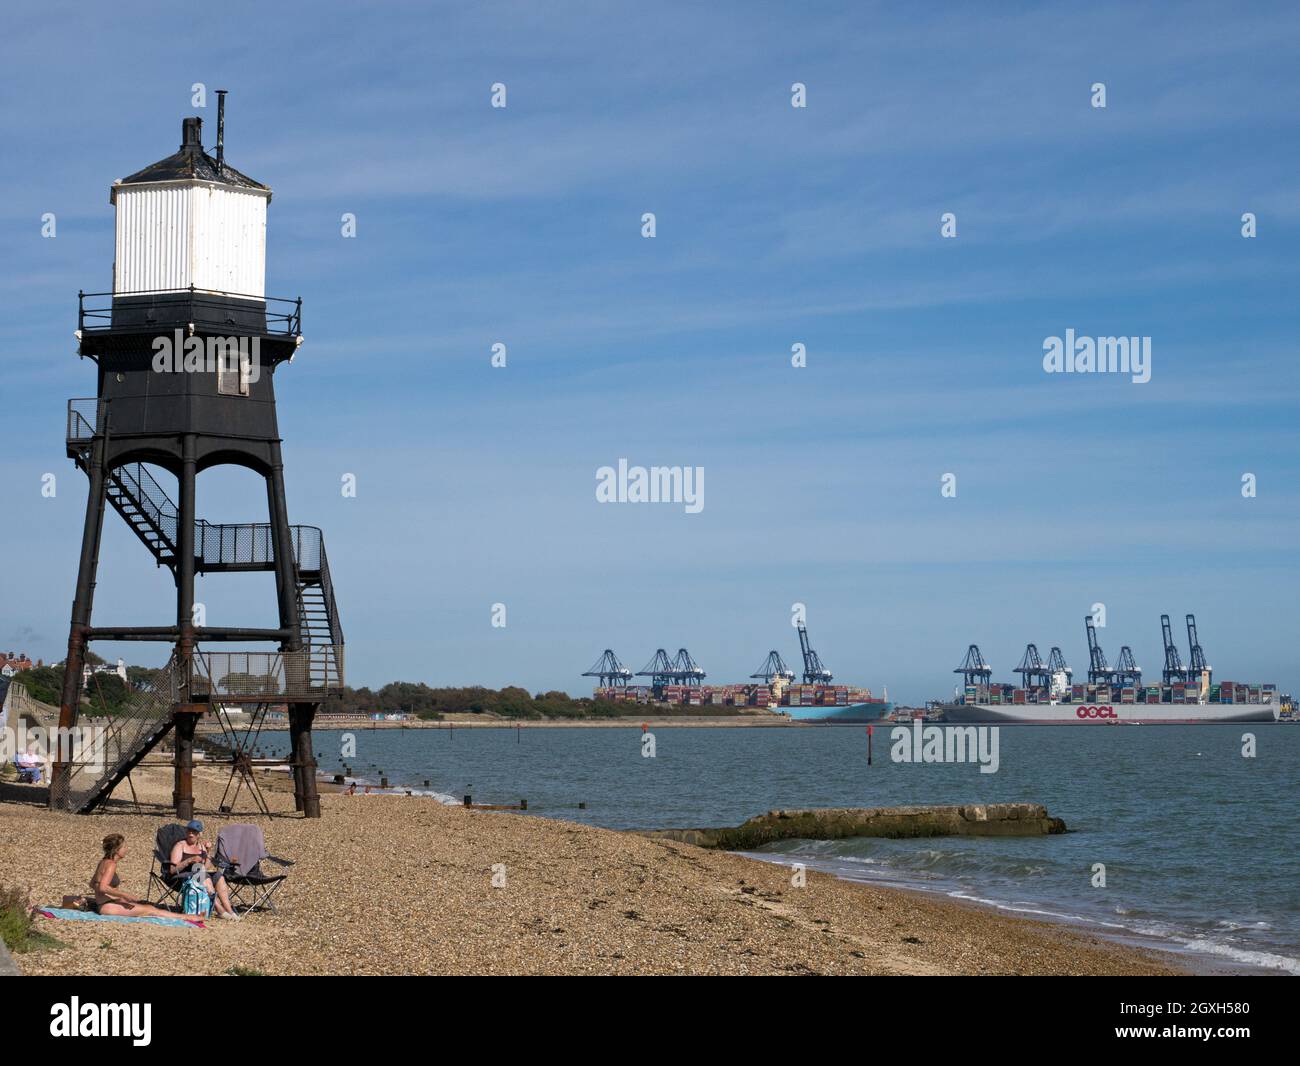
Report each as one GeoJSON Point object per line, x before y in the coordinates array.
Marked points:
{"type": "Point", "coordinates": [679, 681]}
{"type": "Point", "coordinates": [833, 704]}
{"type": "Point", "coordinates": [1047, 694]}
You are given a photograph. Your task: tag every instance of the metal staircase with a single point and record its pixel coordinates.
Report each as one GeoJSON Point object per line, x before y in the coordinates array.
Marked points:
{"type": "Point", "coordinates": [104, 752]}
{"type": "Point", "coordinates": [146, 507]}
{"type": "Point", "coordinates": [318, 615]}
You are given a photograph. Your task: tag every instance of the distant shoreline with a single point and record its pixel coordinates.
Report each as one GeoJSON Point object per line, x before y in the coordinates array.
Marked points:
{"type": "Point", "coordinates": [744, 721]}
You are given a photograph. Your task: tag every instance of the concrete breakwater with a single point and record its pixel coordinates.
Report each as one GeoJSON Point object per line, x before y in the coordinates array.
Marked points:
{"type": "Point", "coordinates": [835, 823]}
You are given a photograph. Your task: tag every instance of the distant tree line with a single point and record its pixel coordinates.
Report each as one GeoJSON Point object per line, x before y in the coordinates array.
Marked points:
{"type": "Point", "coordinates": [107, 693]}
{"type": "Point", "coordinates": [511, 702]}
{"type": "Point", "coordinates": [423, 701]}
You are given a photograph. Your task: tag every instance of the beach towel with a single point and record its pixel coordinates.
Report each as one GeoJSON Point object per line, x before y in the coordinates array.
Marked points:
{"type": "Point", "coordinates": [90, 916]}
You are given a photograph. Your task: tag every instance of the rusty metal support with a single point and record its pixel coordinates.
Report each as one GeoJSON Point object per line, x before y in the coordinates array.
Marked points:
{"type": "Point", "coordinates": [305, 795]}
{"type": "Point", "coordinates": [185, 717]}
{"type": "Point", "coordinates": [83, 603]}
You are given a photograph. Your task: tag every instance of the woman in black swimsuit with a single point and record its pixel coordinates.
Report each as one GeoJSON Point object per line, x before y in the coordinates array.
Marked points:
{"type": "Point", "coordinates": [109, 898]}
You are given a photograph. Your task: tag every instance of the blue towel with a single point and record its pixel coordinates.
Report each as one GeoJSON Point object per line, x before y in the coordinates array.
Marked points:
{"type": "Point", "coordinates": [90, 916]}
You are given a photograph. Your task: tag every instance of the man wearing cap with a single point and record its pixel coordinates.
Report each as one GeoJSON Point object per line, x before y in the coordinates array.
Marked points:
{"type": "Point", "coordinates": [192, 852]}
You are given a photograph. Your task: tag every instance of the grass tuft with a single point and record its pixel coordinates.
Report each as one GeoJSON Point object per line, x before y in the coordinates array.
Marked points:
{"type": "Point", "coordinates": [17, 928]}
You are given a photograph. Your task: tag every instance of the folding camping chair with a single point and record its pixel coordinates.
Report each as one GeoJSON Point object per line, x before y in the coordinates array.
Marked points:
{"type": "Point", "coordinates": [241, 849]}
{"type": "Point", "coordinates": [28, 773]}
{"type": "Point", "coordinates": [161, 874]}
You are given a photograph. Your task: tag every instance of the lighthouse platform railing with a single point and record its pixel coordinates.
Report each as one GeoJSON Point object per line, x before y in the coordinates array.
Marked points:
{"type": "Point", "coordinates": [205, 310]}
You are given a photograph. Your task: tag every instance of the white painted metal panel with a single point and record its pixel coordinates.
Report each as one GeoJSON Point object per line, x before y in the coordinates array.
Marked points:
{"type": "Point", "coordinates": [171, 235]}
{"type": "Point", "coordinates": [153, 226]}
{"type": "Point", "coordinates": [229, 240]}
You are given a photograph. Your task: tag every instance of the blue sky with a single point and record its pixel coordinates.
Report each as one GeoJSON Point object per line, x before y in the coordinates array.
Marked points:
{"type": "Point", "coordinates": [775, 226]}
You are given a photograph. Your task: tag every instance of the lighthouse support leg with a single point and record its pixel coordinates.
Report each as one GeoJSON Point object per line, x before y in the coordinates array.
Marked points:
{"type": "Point", "coordinates": [185, 719]}
{"type": "Point", "coordinates": [82, 605]}
{"type": "Point", "coordinates": [305, 796]}
{"type": "Point", "coordinates": [183, 757]}
{"type": "Point", "coordinates": [301, 756]}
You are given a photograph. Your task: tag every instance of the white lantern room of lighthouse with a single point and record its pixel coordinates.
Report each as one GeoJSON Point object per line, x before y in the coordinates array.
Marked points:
{"type": "Point", "coordinates": [189, 232]}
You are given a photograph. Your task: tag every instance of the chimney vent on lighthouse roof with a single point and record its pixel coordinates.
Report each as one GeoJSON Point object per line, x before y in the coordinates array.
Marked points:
{"type": "Point", "coordinates": [190, 221]}
{"type": "Point", "coordinates": [190, 163]}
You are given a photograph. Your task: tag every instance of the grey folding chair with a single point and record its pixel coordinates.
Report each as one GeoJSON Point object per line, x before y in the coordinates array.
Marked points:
{"type": "Point", "coordinates": [241, 850]}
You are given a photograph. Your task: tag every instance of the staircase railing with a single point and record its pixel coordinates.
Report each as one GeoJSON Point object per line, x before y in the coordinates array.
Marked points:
{"type": "Point", "coordinates": [244, 544]}
{"type": "Point", "coordinates": [255, 676]}
{"type": "Point", "coordinates": [327, 587]}
{"type": "Point", "coordinates": [151, 498]}
{"type": "Point", "coordinates": [103, 752]}
{"type": "Point", "coordinates": [83, 417]}
{"type": "Point", "coordinates": [326, 660]}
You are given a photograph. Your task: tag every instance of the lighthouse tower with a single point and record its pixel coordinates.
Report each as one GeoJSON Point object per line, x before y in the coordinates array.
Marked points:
{"type": "Point", "coordinates": [187, 345]}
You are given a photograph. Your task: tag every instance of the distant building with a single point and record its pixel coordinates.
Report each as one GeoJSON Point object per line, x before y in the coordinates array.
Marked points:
{"type": "Point", "coordinates": [11, 664]}
{"type": "Point", "coordinates": [103, 668]}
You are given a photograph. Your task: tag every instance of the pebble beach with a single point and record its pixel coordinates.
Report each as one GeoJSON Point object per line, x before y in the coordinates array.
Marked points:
{"type": "Point", "coordinates": [395, 884]}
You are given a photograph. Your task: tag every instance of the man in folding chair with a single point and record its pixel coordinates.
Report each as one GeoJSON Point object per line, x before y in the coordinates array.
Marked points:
{"type": "Point", "coordinates": [241, 850]}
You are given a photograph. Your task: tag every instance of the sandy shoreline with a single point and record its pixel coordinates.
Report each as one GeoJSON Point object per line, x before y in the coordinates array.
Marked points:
{"type": "Point", "coordinates": [395, 884]}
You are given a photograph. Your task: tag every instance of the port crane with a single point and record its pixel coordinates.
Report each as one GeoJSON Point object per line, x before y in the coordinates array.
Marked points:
{"type": "Point", "coordinates": [1059, 673]}
{"type": "Point", "coordinates": [975, 670]}
{"type": "Point", "coordinates": [1033, 674]}
{"type": "Point", "coordinates": [686, 671]}
{"type": "Point", "coordinates": [1173, 670]}
{"type": "Point", "coordinates": [1196, 664]}
{"type": "Point", "coordinates": [611, 672]}
{"type": "Point", "coordinates": [1099, 671]}
{"type": "Point", "coordinates": [814, 673]}
{"type": "Point", "coordinates": [1056, 664]}
{"type": "Point", "coordinates": [1127, 672]}
{"type": "Point", "coordinates": [660, 670]}
{"type": "Point", "coordinates": [773, 667]}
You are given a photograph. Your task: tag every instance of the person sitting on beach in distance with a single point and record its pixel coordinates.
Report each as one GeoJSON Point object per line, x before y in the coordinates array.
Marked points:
{"type": "Point", "coordinates": [30, 764]}
{"type": "Point", "coordinates": [352, 789]}
{"type": "Point", "coordinates": [109, 897]}
{"type": "Point", "coordinates": [193, 852]}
